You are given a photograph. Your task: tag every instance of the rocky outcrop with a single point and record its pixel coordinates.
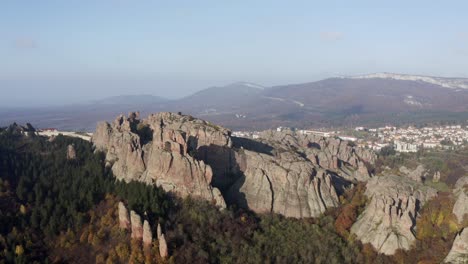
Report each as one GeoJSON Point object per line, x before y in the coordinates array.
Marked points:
{"type": "Point", "coordinates": [124, 221]}
{"type": "Point", "coordinates": [331, 154]}
{"type": "Point", "coordinates": [460, 208]}
{"type": "Point", "coordinates": [418, 174]}
{"type": "Point", "coordinates": [390, 216]}
{"type": "Point", "coordinates": [160, 150]}
{"type": "Point", "coordinates": [286, 184]}
{"type": "Point", "coordinates": [71, 152]}
{"type": "Point", "coordinates": [158, 231]}
{"type": "Point", "coordinates": [147, 234]}
{"type": "Point", "coordinates": [163, 251]}
{"type": "Point", "coordinates": [137, 229]}
{"type": "Point", "coordinates": [436, 177]}
{"type": "Point", "coordinates": [27, 130]}
{"type": "Point", "coordinates": [139, 232]}
{"type": "Point", "coordinates": [459, 252]}
{"type": "Point", "coordinates": [286, 173]}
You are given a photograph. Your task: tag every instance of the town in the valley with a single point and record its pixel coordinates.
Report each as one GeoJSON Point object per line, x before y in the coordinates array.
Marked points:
{"type": "Point", "coordinates": [402, 139]}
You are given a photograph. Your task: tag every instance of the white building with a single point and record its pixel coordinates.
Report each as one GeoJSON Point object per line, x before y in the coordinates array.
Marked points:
{"type": "Point", "coordinates": [431, 144]}
{"type": "Point", "coordinates": [405, 147]}
{"type": "Point", "coordinates": [348, 138]}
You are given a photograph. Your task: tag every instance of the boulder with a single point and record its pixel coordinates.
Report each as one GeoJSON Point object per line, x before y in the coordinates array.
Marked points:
{"type": "Point", "coordinates": [389, 218]}
{"type": "Point", "coordinates": [459, 252]}
{"type": "Point", "coordinates": [137, 229]}
{"type": "Point", "coordinates": [124, 221]}
{"type": "Point", "coordinates": [147, 234]}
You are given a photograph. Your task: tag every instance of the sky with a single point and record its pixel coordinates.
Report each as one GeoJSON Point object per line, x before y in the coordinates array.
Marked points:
{"type": "Point", "coordinates": [60, 52]}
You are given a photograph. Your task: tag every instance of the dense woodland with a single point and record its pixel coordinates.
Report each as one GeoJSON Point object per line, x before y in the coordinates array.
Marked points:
{"type": "Point", "coordinates": [55, 210]}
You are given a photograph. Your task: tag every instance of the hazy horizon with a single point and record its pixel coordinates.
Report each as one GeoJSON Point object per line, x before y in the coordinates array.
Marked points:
{"type": "Point", "coordinates": [57, 53]}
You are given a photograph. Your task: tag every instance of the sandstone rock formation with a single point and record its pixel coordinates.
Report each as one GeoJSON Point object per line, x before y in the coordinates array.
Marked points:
{"type": "Point", "coordinates": [436, 177]}
{"type": "Point", "coordinates": [124, 221]}
{"type": "Point", "coordinates": [390, 217]}
{"type": "Point", "coordinates": [160, 150]}
{"type": "Point", "coordinates": [417, 174]}
{"type": "Point", "coordinates": [147, 234]}
{"type": "Point", "coordinates": [459, 252]}
{"type": "Point", "coordinates": [137, 229]}
{"type": "Point", "coordinates": [460, 209]}
{"type": "Point", "coordinates": [163, 251]}
{"type": "Point", "coordinates": [158, 231]}
{"type": "Point", "coordinates": [287, 184]}
{"type": "Point", "coordinates": [71, 152]}
{"type": "Point", "coordinates": [294, 175]}
{"type": "Point", "coordinates": [329, 153]}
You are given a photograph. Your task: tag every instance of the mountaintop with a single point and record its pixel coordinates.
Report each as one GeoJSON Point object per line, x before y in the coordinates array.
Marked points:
{"type": "Point", "coordinates": [447, 82]}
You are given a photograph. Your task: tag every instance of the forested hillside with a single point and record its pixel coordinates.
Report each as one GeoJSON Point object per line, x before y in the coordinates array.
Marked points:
{"type": "Point", "coordinates": [57, 209]}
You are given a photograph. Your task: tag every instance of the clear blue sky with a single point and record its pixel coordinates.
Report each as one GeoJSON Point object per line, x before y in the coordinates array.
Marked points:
{"type": "Point", "coordinates": [70, 51]}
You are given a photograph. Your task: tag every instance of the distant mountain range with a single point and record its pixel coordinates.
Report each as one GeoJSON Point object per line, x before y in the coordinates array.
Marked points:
{"type": "Point", "coordinates": [368, 99]}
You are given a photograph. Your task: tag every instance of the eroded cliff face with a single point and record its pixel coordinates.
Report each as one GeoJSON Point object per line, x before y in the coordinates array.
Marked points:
{"type": "Point", "coordinates": [331, 154]}
{"type": "Point", "coordinates": [390, 217]}
{"type": "Point", "coordinates": [157, 150]}
{"type": "Point", "coordinates": [294, 175]}
{"type": "Point", "coordinates": [460, 208]}
{"type": "Point", "coordinates": [284, 183]}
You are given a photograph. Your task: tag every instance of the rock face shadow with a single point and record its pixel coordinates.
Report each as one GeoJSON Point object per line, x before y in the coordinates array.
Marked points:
{"type": "Point", "coordinates": [252, 145]}
{"type": "Point", "coordinates": [228, 175]}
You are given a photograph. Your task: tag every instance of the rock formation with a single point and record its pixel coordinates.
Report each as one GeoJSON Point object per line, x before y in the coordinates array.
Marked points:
{"type": "Point", "coordinates": [436, 177]}
{"type": "Point", "coordinates": [287, 184]}
{"type": "Point", "coordinates": [137, 229]}
{"type": "Point", "coordinates": [124, 221]}
{"type": "Point", "coordinates": [329, 153]}
{"type": "Point", "coordinates": [71, 152]}
{"type": "Point", "coordinates": [460, 209]}
{"type": "Point", "coordinates": [163, 252]}
{"type": "Point", "coordinates": [147, 234]}
{"type": "Point", "coordinates": [390, 217]}
{"type": "Point", "coordinates": [416, 175]}
{"type": "Point", "coordinates": [158, 231]}
{"type": "Point", "coordinates": [459, 252]}
{"type": "Point", "coordinates": [160, 150]}
{"type": "Point", "coordinates": [27, 130]}
{"type": "Point", "coordinates": [287, 173]}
